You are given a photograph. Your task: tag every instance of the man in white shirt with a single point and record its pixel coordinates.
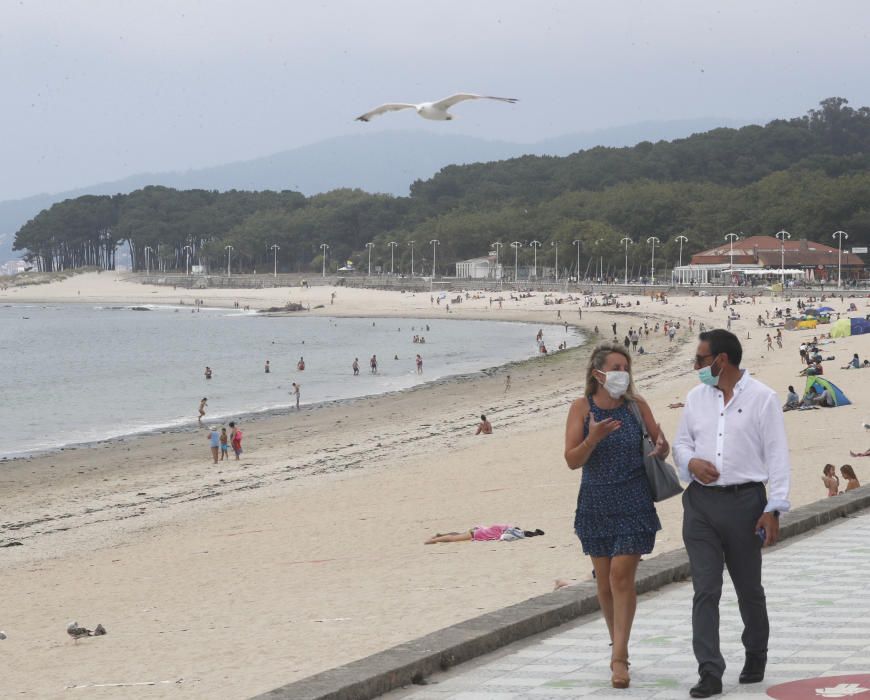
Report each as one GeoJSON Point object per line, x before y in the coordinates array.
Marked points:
{"type": "Point", "coordinates": [731, 441]}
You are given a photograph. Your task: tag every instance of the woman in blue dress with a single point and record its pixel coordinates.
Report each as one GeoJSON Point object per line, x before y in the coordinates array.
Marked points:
{"type": "Point", "coordinates": [616, 518]}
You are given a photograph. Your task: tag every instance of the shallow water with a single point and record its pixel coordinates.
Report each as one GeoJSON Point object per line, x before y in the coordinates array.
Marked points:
{"type": "Point", "coordinates": [77, 373]}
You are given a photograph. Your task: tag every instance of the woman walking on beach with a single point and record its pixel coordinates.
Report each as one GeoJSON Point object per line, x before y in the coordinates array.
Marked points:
{"type": "Point", "coordinates": [616, 519]}
{"type": "Point", "coordinates": [202, 409]}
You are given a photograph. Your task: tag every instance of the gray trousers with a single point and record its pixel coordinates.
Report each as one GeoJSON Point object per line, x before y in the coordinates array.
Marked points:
{"type": "Point", "coordinates": [719, 529]}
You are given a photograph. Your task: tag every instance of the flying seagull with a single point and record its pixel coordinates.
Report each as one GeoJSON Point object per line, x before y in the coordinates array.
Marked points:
{"type": "Point", "coordinates": [76, 632]}
{"type": "Point", "coordinates": [431, 110]}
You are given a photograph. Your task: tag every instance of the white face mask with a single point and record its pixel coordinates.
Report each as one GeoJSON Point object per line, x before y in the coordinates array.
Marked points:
{"type": "Point", "coordinates": [616, 383]}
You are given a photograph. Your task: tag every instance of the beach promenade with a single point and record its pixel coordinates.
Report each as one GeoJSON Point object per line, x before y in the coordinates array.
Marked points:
{"type": "Point", "coordinates": [820, 628]}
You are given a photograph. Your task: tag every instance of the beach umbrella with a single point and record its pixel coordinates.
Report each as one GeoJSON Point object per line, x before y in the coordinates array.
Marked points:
{"type": "Point", "coordinates": [825, 308]}
{"type": "Point", "coordinates": [811, 312]}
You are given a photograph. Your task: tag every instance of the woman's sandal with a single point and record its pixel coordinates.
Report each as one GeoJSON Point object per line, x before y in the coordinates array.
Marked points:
{"type": "Point", "coordinates": [620, 680]}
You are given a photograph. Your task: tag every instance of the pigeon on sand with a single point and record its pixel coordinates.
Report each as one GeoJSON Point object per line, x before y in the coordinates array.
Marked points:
{"type": "Point", "coordinates": [431, 110]}
{"type": "Point", "coordinates": [76, 632]}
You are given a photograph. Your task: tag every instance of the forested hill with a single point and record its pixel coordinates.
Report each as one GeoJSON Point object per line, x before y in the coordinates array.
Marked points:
{"type": "Point", "coordinates": [808, 175]}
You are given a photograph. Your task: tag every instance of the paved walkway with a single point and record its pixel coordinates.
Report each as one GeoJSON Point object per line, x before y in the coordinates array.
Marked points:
{"type": "Point", "coordinates": [818, 596]}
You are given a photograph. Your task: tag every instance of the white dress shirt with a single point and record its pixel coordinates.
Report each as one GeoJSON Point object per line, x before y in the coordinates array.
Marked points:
{"type": "Point", "coordinates": [745, 439]}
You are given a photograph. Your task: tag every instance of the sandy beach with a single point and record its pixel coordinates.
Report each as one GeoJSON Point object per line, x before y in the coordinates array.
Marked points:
{"type": "Point", "coordinates": [230, 580]}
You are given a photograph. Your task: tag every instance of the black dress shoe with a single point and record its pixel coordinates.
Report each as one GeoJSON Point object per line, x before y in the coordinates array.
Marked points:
{"type": "Point", "coordinates": [753, 669]}
{"type": "Point", "coordinates": [707, 685]}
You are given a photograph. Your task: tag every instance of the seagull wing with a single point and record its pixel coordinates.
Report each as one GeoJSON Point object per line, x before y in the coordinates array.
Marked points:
{"type": "Point", "coordinates": [389, 107]}
{"type": "Point", "coordinates": [448, 102]}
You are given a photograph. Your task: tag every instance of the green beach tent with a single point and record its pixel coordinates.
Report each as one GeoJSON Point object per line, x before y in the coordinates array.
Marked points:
{"type": "Point", "coordinates": [819, 385]}
{"type": "Point", "coordinates": [841, 328]}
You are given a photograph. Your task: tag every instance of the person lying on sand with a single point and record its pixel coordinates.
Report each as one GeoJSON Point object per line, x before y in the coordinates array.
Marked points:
{"type": "Point", "coordinates": [485, 534]}
{"type": "Point", "coordinates": [865, 453]}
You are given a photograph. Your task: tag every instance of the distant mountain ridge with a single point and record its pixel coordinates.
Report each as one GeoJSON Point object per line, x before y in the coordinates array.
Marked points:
{"type": "Point", "coordinates": [387, 162]}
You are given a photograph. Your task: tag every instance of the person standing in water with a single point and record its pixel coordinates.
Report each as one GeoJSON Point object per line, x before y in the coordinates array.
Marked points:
{"type": "Point", "coordinates": [355, 367]}
{"type": "Point", "coordinates": [202, 409]}
{"type": "Point", "coordinates": [419, 364]}
{"type": "Point", "coordinates": [296, 389]}
{"type": "Point", "coordinates": [267, 367]}
{"type": "Point", "coordinates": [373, 363]}
{"type": "Point", "coordinates": [207, 372]}
{"type": "Point", "coordinates": [301, 364]}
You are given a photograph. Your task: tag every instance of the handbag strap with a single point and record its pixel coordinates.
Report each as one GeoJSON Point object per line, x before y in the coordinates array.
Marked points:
{"type": "Point", "coordinates": [635, 411]}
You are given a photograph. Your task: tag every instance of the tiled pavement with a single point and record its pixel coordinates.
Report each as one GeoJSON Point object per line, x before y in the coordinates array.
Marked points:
{"type": "Point", "coordinates": [818, 595]}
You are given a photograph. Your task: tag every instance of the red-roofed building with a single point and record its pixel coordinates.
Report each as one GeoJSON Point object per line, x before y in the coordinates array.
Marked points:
{"type": "Point", "coordinates": [759, 254]}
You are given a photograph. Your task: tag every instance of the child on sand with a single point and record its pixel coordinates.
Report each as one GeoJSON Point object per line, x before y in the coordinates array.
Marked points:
{"type": "Point", "coordinates": [849, 475]}
{"type": "Point", "coordinates": [830, 479]}
{"type": "Point", "coordinates": [225, 445]}
{"type": "Point", "coordinates": [484, 426]}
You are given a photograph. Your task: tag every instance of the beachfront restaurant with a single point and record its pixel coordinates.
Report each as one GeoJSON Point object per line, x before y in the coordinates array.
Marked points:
{"type": "Point", "coordinates": [689, 275]}
{"type": "Point", "coordinates": [767, 260]}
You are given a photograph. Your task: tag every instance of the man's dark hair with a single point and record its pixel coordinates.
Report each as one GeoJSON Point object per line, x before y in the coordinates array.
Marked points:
{"type": "Point", "coordinates": [483, 418]}
{"type": "Point", "coordinates": [722, 341]}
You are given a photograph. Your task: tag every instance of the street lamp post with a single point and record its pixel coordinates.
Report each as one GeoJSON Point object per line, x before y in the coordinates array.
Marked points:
{"type": "Point", "coordinates": [577, 243]}
{"type": "Point", "coordinates": [600, 261]}
{"type": "Point", "coordinates": [148, 249]}
{"type": "Point", "coordinates": [411, 243]}
{"type": "Point", "coordinates": [370, 246]}
{"type": "Point", "coordinates": [497, 245]}
{"type": "Point", "coordinates": [434, 242]}
{"type": "Point", "coordinates": [229, 250]}
{"type": "Point", "coordinates": [516, 245]}
{"type": "Point", "coordinates": [392, 245]}
{"type": "Point", "coordinates": [535, 245]}
{"type": "Point", "coordinates": [627, 241]}
{"type": "Point", "coordinates": [324, 247]}
{"type": "Point", "coordinates": [275, 248]}
{"type": "Point", "coordinates": [732, 237]}
{"type": "Point", "coordinates": [680, 240]}
{"type": "Point", "coordinates": [555, 246]}
{"type": "Point", "coordinates": [187, 257]}
{"type": "Point", "coordinates": [840, 235]}
{"type": "Point", "coordinates": [653, 240]}
{"type": "Point", "coordinates": [782, 235]}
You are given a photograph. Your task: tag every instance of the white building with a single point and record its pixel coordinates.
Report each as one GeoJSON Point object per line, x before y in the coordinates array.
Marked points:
{"type": "Point", "coordinates": [479, 269]}
{"type": "Point", "coordinates": [13, 267]}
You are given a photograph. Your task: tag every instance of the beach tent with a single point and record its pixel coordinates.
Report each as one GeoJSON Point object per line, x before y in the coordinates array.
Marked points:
{"type": "Point", "coordinates": [841, 328]}
{"type": "Point", "coordinates": [820, 385]}
{"type": "Point", "coordinates": [849, 326]}
{"type": "Point", "coordinates": [808, 323]}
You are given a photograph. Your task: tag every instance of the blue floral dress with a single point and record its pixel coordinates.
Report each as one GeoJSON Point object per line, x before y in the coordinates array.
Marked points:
{"type": "Point", "coordinates": [615, 510]}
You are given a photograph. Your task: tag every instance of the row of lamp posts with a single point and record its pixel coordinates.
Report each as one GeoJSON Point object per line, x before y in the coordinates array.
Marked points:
{"type": "Point", "coordinates": [782, 236]}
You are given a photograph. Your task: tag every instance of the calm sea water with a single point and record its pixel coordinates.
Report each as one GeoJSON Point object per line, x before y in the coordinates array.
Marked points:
{"type": "Point", "coordinates": [77, 373]}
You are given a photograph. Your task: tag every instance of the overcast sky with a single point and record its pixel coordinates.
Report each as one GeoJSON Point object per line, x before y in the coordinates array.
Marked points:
{"type": "Point", "coordinates": [93, 90]}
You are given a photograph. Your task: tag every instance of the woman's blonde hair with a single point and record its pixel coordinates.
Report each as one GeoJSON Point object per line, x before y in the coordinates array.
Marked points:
{"type": "Point", "coordinates": [597, 360]}
{"type": "Point", "coordinates": [848, 472]}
